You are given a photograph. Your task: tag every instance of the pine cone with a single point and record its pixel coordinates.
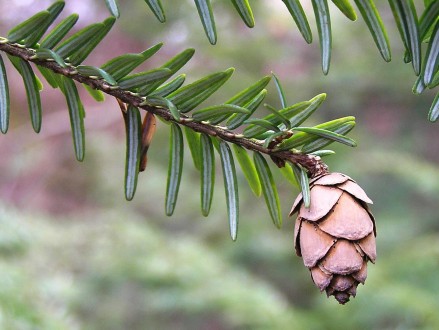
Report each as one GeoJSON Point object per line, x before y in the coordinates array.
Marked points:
{"type": "Point", "coordinates": [335, 235]}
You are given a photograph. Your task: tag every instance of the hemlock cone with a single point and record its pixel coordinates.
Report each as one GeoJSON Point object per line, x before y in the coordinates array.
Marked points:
{"type": "Point", "coordinates": [335, 235]}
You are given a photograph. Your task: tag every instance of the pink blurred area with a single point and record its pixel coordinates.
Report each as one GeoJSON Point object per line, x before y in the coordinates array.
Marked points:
{"type": "Point", "coordinates": [39, 171]}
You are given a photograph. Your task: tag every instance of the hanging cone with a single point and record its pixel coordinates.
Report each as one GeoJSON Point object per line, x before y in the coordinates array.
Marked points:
{"type": "Point", "coordinates": [335, 236]}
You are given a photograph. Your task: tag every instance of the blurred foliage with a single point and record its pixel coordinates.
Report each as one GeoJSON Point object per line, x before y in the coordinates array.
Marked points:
{"type": "Point", "coordinates": [75, 255]}
{"type": "Point", "coordinates": [113, 270]}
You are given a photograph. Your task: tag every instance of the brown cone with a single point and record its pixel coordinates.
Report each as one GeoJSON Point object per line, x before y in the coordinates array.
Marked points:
{"type": "Point", "coordinates": [335, 235]}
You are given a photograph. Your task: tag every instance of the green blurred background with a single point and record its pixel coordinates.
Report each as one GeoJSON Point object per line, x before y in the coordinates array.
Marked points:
{"type": "Point", "coordinates": [75, 255]}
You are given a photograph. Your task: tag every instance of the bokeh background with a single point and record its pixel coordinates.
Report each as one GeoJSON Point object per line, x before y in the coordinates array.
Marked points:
{"type": "Point", "coordinates": [75, 255]}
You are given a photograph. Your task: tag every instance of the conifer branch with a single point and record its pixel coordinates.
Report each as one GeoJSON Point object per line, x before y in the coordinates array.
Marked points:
{"type": "Point", "coordinates": [313, 164]}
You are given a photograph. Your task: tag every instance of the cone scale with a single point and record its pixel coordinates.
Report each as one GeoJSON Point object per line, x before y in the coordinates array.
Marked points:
{"type": "Point", "coordinates": [335, 236]}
